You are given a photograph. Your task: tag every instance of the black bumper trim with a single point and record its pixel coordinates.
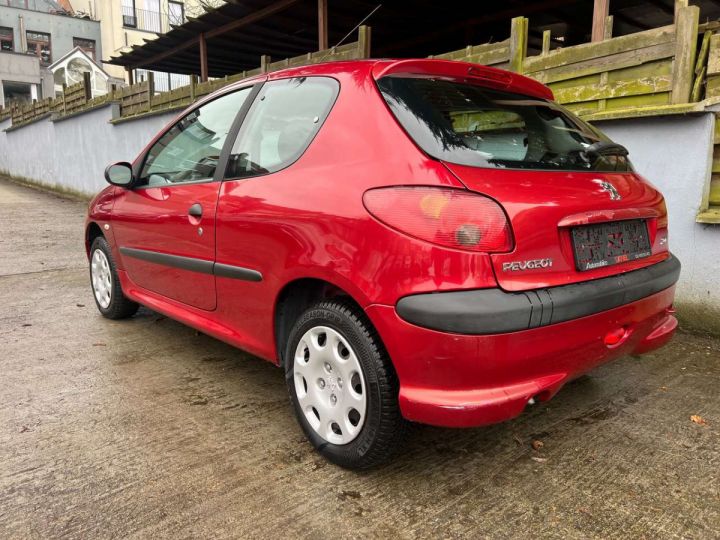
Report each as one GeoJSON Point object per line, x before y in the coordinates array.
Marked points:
{"type": "Point", "coordinates": [493, 311]}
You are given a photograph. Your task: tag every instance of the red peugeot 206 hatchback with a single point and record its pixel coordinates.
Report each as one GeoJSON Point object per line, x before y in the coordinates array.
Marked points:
{"type": "Point", "coordinates": [413, 240]}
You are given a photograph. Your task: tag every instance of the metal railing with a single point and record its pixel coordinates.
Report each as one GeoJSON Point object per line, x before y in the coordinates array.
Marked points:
{"type": "Point", "coordinates": [150, 21]}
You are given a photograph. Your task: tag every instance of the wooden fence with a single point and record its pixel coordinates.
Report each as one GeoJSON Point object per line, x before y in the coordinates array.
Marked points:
{"type": "Point", "coordinates": [655, 67]}
{"type": "Point", "coordinates": [140, 98]}
{"type": "Point", "coordinates": [712, 90]}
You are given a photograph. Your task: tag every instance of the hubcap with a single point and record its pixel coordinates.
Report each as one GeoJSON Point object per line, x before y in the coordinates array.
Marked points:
{"type": "Point", "coordinates": [101, 278]}
{"type": "Point", "coordinates": [329, 385]}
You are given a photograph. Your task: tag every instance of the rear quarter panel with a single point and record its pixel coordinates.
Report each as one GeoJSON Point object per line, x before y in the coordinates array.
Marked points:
{"type": "Point", "coordinates": [308, 220]}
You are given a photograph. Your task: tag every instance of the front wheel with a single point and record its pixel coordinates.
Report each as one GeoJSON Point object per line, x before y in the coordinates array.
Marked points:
{"type": "Point", "coordinates": [109, 298]}
{"type": "Point", "coordinates": [343, 386]}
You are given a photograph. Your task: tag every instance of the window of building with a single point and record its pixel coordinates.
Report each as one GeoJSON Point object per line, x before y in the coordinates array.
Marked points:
{"type": "Point", "coordinates": [23, 4]}
{"type": "Point", "coordinates": [87, 45]}
{"type": "Point", "coordinates": [128, 13]}
{"type": "Point", "coordinates": [176, 13]}
{"type": "Point", "coordinates": [38, 43]}
{"type": "Point", "coordinates": [6, 39]}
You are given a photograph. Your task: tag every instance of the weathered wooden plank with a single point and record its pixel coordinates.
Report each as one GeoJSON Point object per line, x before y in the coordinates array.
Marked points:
{"type": "Point", "coordinates": [587, 51]}
{"type": "Point", "coordinates": [547, 36]}
{"type": "Point", "coordinates": [644, 100]}
{"type": "Point", "coordinates": [649, 69]}
{"type": "Point", "coordinates": [622, 88]}
{"type": "Point", "coordinates": [713, 63]}
{"type": "Point", "coordinates": [702, 56]}
{"type": "Point", "coordinates": [714, 197]}
{"type": "Point", "coordinates": [711, 215]}
{"type": "Point", "coordinates": [605, 63]}
{"type": "Point", "coordinates": [518, 43]}
{"type": "Point", "coordinates": [485, 48]}
{"type": "Point", "coordinates": [685, 48]}
{"type": "Point", "coordinates": [696, 93]}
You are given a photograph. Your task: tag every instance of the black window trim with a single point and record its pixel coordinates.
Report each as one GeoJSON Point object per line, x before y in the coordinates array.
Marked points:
{"type": "Point", "coordinates": [226, 178]}
{"type": "Point", "coordinates": [227, 145]}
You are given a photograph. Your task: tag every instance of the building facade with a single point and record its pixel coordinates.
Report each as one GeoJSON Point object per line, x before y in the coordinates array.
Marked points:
{"type": "Point", "coordinates": [125, 23]}
{"type": "Point", "coordinates": [33, 33]}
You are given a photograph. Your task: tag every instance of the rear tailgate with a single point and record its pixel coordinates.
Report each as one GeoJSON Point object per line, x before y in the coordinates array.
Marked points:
{"type": "Point", "coordinates": [545, 207]}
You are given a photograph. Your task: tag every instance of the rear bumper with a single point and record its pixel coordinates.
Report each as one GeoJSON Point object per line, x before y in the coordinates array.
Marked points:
{"type": "Point", "coordinates": [456, 380]}
{"type": "Point", "coordinates": [493, 311]}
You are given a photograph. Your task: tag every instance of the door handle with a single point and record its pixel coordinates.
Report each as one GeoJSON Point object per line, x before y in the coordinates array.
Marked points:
{"type": "Point", "coordinates": [195, 210]}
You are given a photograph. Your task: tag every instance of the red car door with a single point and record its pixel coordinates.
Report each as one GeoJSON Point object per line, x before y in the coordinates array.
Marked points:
{"type": "Point", "coordinates": [164, 226]}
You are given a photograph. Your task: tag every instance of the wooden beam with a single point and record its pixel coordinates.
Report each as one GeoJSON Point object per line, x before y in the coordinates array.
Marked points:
{"type": "Point", "coordinates": [518, 43]}
{"type": "Point", "coordinates": [129, 72]}
{"type": "Point", "coordinates": [546, 37]}
{"type": "Point", "coordinates": [679, 4]}
{"type": "Point", "coordinates": [601, 10]}
{"type": "Point", "coordinates": [322, 25]}
{"type": "Point", "coordinates": [203, 58]}
{"type": "Point", "coordinates": [234, 25]}
{"type": "Point", "coordinates": [685, 47]}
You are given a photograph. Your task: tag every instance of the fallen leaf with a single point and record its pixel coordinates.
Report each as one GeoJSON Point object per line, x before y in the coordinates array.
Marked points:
{"type": "Point", "coordinates": [27, 324]}
{"type": "Point", "coordinates": [80, 305]}
{"type": "Point", "coordinates": [538, 459]}
{"type": "Point", "coordinates": [24, 429]}
{"type": "Point", "coordinates": [699, 420]}
{"type": "Point", "coordinates": [537, 445]}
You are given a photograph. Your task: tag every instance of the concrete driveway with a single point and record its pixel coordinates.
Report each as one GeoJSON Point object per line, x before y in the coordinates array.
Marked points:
{"type": "Point", "coordinates": [145, 428]}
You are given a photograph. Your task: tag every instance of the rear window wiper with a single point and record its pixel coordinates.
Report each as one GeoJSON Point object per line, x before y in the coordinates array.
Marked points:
{"type": "Point", "coordinates": [606, 148]}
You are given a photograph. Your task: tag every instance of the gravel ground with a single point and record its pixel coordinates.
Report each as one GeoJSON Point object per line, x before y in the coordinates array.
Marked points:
{"type": "Point", "coordinates": [145, 428]}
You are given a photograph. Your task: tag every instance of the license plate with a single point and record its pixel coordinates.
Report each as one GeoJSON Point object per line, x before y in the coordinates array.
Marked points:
{"type": "Point", "coordinates": [606, 244]}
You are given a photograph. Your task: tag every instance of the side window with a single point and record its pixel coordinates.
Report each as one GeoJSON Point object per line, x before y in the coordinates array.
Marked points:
{"type": "Point", "coordinates": [190, 150]}
{"type": "Point", "coordinates": [281, 123]}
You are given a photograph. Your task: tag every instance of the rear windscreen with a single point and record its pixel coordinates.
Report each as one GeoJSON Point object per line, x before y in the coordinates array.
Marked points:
{"type": "Point", "coordinates": [472, 125]}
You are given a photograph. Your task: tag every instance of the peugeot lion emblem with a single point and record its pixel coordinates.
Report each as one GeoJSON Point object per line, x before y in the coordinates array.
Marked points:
{"type": "Point", "coordinates": [607, 186]}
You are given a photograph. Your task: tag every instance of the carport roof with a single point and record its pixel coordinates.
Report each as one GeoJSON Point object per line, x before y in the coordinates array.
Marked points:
{"type": "Point", "coordinates": [237, 33]}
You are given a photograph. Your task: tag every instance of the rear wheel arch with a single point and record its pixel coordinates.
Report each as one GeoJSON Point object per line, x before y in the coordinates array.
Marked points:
{"type": "Point", "coordinates": [294, 298]}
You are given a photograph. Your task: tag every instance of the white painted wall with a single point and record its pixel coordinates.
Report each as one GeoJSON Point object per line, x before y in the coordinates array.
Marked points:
{"type": "Point", "coordinates": [675, 154]}
{"type": "Point", "coordinates": [73, 153]}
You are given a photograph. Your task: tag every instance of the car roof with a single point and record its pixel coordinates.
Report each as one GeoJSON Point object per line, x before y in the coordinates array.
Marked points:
{"type": "Point", "coordinates": [425, 67]}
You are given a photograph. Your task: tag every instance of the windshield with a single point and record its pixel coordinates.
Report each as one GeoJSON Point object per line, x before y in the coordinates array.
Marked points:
{"type": "Point", "coordinates": [472, 125]}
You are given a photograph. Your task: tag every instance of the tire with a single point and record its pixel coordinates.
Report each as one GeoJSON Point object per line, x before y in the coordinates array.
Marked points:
{"type": "Point", "coordinates": [351, 345]}
{"type": "Point", "coordinates": [113, 304]}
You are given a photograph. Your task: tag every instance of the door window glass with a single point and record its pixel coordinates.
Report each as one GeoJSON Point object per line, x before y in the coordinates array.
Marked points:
{"type": "Point", "coordinates": [190, 150]}
{"type": "Point", "coordinates": [281, 123]}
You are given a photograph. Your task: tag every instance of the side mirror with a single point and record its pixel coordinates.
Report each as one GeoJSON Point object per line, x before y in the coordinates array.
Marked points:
{"type": "Point", "coordinates": [119, 174]}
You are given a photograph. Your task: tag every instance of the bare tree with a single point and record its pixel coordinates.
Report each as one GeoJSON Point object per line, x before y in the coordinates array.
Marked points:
{"type": "Point", "coordinates": [198, 7]}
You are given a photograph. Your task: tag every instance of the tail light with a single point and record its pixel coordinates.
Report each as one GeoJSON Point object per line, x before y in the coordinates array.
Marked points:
{"type": "Point", "coordinates": [448, 217]}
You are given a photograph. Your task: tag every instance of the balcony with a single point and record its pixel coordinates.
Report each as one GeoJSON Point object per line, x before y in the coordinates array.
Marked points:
{"type": "Point", "coordinates": [149, 21]}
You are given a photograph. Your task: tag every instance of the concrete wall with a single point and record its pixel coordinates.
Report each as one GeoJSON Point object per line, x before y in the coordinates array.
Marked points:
{"type": "Point", "coordinates": [73, 153]}
{"type": "Point", "coordinates": [62, 29]}
{"type": "Point", "coordinates": [675, 154]}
